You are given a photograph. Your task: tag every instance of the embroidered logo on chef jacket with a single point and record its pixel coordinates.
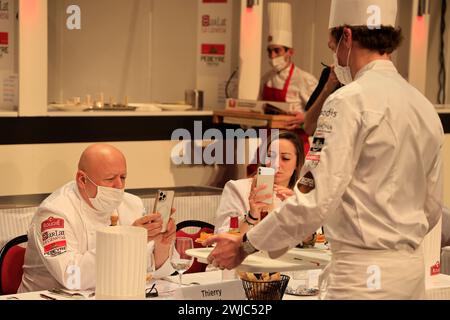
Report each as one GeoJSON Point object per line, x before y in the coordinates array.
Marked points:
{"type": "Point", "coordinates": [312, 160]}
{"type": "Point", "coordinates": [324, 126]}
{"type": "Point", "coordinates": [307, 183]}
{"type": "Point", "coordinates": [53, 237]}
{"type": "Point", "coordinates": [317, 145]}
{"type": "Point", "coordinates": [329, 113]}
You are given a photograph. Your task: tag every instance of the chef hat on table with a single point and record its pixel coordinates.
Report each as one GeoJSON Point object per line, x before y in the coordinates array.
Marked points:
{"type": "Point", "coordinates": [370, 13]}
{"type": "Point", "coordinates": [280, 24]}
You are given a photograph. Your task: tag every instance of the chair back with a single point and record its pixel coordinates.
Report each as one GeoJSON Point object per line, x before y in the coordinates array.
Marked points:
{"type": "Point", "coordinates": [203, 227]}
{"type": "Point", "coordinates": [11, 265]}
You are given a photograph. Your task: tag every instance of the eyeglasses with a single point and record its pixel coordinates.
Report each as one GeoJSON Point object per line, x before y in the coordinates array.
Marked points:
{"type": "Point", "coordinates": [151, 292]}
{"type": "Point", "coordinates": [276, 50]}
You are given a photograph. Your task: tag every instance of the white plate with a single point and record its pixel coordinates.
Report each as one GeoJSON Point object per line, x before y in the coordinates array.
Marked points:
{"type": "Point", "coordinates": [152, 107]}
{"type": "Point", "coordinates": [293, 260]}
{"type": "Point", "coordinates": [174, 107]}
{"type": "Point", "coordinates": [67, 107]}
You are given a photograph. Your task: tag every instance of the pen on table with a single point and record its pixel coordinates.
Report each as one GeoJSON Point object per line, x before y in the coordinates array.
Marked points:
{"type": "Point", "coordinates": [46, 297]}
{"type": "Point", "coordinates": [313, 262]}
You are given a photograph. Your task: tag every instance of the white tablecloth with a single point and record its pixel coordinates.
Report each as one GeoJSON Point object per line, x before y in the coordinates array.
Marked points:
{"type": "Point", "coordinates": [438, 289]}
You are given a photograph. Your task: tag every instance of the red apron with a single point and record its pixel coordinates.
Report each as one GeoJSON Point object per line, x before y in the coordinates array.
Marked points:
{"type": "Point", "coordinates": [273, 94]}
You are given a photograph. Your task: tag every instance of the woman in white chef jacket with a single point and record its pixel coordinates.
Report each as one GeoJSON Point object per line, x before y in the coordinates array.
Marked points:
{"type": "Point", "coordinates": [377, 173]}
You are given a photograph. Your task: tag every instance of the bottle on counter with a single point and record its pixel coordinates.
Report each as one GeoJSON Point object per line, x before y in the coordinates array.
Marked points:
{"type": "Point", "coordinates": [114, 219]}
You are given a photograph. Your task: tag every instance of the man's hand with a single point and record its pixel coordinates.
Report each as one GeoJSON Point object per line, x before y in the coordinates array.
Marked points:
{"type": "Point", "coordinates": [170, 234]}
{"type": "Point", "coordinates": [282, 193]}
{"type": "Point", "coordinates": [153, 223]}
{"type": "Point", "coordinates": [332, 83]}
{"type": "Point", "coordinates": [296, 122]}
{"type": "Point", "coordinates": [228, 253]}
{"type": "Point", "coordinates": [163, 243]}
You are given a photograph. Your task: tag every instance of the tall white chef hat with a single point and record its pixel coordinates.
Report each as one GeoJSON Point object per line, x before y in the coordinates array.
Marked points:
{"type": "Point", "coordinates": [370, 13]}
{"type": "Point", "coordinates": [280, 24]}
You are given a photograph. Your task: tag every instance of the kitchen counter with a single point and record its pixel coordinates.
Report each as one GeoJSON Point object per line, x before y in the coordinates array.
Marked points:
{"type": "Point", "coordinates": [130, 113]}
{"type": "Point", "coordinates": [103, 126]}
{"type": "Point", "coordinates": [108, 126]}
{"type": "Point", "coordinates": [8, 114]}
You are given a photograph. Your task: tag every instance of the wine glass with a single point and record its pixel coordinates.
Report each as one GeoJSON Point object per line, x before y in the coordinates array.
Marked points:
{"type": "Point", "coordinates": [179, 260]}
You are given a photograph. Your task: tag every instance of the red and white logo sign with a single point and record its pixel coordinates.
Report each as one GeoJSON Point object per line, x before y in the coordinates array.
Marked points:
{"type": "Point", "coordinates": [213, 49]}
{"type": "Point", "coordinates": [4, 38]}
{"type": "Point", "coordinates": [313, 157]}
{"type": "Point", "coordinates": [52, 223]}
{"type": "Point", "coordinates": [213, 55]}
{"type": "Point", "coordinates": [214, 25]}
{"type": "Point", "coordinates": [205, 20]}
{"type": "Point", "coordinates": [53, 237]}
{"type": "Point", "coordinates": [436, 269]}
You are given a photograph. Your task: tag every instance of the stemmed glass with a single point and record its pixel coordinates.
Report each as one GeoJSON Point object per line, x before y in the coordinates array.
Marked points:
{"type": "Point", "coordinates": [179, 260]}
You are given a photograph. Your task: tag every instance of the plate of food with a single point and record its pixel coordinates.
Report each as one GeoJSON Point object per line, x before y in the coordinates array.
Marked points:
{"type": "Point", "coordinates": [203, 237]}
{"type": "Point", "coordinates": [151, 107]}
{"type": "Point", "coordinates": [174, 107]}
{"type": "Point", "coordinates": [66, 107]}
{"type": "Point", "coordinates": [293, 260]}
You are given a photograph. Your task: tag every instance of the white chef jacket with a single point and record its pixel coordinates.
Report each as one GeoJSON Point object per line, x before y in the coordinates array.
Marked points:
{"type": "Point", "coordinates": [234, 200]}
{"type": "Point", "coordinates": [375, 181]}
{"type": "Point", "coordinates": [62, 234]}
{"type": "Point", "coordinates": [301, 86]}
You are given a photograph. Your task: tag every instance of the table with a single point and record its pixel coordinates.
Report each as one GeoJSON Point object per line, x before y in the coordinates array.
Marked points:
{"type": "Point", "coordinates": [438, 289]}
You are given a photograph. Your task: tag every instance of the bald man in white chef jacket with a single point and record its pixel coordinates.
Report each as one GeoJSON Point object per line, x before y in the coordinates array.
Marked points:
{"type": "Point", "coordinates": [62, 235]}
{"type": "Point", "coordinates": [374, 178]}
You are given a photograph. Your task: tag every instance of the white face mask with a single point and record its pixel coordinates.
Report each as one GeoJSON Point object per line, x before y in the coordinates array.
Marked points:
{"type": "Point", "coordinates": [107, 199]}
{"type": "Point", "coordinates": [278, 63]}
{"type": "Point", "coordinates": [343, 74]}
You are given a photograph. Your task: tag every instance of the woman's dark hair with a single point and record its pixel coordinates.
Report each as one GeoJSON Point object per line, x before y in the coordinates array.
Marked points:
{"type": "Point", "coordinates": [294, 139]}
{"type": "Point", "coordinates": [384, 40]}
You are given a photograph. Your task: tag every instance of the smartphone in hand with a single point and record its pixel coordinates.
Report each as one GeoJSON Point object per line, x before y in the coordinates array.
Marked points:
{"type": "Point", "coordinates": [163, 205]}
{"type": "Point", "coordinates": [266, 176]}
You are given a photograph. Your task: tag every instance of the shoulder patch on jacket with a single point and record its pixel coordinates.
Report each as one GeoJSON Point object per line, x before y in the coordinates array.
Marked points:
{"type": "Point", "coordinates": [53, 237]}
{"type": "Point", "coordinates": [318, 143]}
{"type": "Point", "coordinates": [306, 183]}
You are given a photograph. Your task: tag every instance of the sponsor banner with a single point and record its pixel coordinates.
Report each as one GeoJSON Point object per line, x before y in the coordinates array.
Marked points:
{"type": "Point", "coordinates": [214, 24]}
{"type": "Point", "coordinates": [4, 36]}
{"type": "Point", "coordinates": [8, 98]}
{"type": "Point", "coordinates": [214, 50]}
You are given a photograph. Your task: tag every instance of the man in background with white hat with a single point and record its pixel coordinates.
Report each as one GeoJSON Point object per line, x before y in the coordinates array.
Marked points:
{"type": "Point", "coordinates": [285, 82]}
{"type": "Point", "coordinates": [375, 177]}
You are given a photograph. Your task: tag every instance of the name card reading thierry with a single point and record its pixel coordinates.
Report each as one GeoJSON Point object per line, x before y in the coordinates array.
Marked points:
{"type": "Point", "coordinates": [228, 290]}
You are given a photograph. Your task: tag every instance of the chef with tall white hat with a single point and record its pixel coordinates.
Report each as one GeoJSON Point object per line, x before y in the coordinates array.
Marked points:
{"type": "Point", "coordinates": [285, 82]}
{"type": "Point", "coordinates": [374, 178]}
